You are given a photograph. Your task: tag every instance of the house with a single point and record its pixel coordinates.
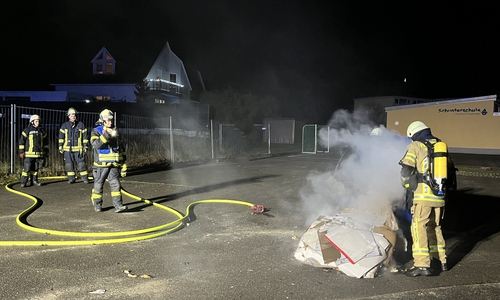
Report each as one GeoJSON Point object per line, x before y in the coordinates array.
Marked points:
{"type": "Point", "coordinates": [167, 81]}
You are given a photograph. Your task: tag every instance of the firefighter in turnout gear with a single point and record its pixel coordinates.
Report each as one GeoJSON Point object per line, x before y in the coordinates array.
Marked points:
{"type": "Point", "coordinates": [33, 148]}
{"type": "Point", "coordinates": [428, 204]}
{"type": "Point", "coordinates": [73, 144]}
{"type": "Point", "coordinates": [109, 161]}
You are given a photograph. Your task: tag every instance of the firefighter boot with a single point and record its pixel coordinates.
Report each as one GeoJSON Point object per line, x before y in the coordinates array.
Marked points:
{"type": "Point", "coordinates": [120, 208]}
{"type": "Point", "coordinates": [436, 265]}
{"type": "Point", "coordinates": [24, 181]}
{"type": "Point", "coordinates": [97, 205]}
{"type": "Point", "coordinates": [444, 267]}
{"type": "Point", "coordinates": [418, 271]}
{"type": "Point", "coordinates": [35, 181]}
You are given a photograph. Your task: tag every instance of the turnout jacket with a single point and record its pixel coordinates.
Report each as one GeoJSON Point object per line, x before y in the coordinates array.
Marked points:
{"type": "Point", "coordinates": [417, 157]}
{"type": "Point", "coordinates": [73, 138]}
{"type": "Point", "coordinates": [108, 151]}
{"type": "Point", "coordinates": [34, 142]}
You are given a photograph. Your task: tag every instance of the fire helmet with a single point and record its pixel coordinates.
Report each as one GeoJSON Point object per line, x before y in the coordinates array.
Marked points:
{"type": "Point", "coordinates": [415, 127]}
{"type": "Point", "coordinates": [376, 131]}
{"type": "Point", "coordinates": [106, 115]}
{"type": "Point", "coordinates": [34, 117]}
{"type": "Point", "coordinates": [72, 110]}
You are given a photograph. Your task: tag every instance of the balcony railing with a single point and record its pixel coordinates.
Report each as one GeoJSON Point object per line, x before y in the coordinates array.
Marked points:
{"type": "Point", "coordinates": [165, 85]}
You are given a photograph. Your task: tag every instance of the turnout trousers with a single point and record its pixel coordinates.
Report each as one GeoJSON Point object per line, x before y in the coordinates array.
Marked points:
{"type": "Point", "coordinates": [100, 175]}
{"type": "Point", "coordinates": [428, 240]}
{"type": "Point", "coordinates": [72, 158]}
{"type": "Point", "coordinates": [30, 169]}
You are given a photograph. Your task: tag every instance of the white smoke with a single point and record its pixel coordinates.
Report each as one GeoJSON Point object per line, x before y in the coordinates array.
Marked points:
{"type": "Point", "coordinates": [368, 174]}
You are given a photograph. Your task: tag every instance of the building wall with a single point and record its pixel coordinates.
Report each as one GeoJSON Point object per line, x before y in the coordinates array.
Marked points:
{"type": "Point", "coordinates": [466, 126]}
{"type": "Point", "coordinates": [34, 96]}
{"type": "Point", "coordinates": [386, 101]}
{"type": "Point", "coordinates": [117, 92]}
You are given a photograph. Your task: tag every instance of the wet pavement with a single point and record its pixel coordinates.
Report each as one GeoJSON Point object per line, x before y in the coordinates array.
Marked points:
{"type": "Point", "coordinates": [227, 251]}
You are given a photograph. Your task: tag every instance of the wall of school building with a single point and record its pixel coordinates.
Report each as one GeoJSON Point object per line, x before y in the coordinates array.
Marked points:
{"type": "Point", "coordinates": [468, 125]}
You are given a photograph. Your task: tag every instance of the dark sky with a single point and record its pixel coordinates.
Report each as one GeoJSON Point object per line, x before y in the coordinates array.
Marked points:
{"type": "Point", "coordinates": [314, 55]}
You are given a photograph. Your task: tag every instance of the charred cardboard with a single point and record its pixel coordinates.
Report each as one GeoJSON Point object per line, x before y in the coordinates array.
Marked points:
{"type": "Point", "coordinates": [345, 241]}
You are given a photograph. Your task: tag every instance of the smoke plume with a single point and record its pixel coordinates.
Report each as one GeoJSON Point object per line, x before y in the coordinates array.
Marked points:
{"type": "Point", "coordinates": [367, 175]}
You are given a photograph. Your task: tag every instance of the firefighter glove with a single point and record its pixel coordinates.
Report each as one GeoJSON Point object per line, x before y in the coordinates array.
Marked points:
{"type": "Point", "coordinates": [123, 170]}
{"type": "Point", "coordinates": [410, 182]}
{"type": "Point", "coordinates": [21, 155]}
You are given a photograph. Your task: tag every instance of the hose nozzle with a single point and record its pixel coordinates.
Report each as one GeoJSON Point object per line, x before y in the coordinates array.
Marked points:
{"type": "Point", "coordinates": [258, 208]}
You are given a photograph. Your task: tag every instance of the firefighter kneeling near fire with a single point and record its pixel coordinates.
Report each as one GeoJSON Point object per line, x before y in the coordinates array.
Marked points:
{"type": "Point", "coordinates": [109, 161]}
{"type": "Point", "coordinates": [424, 172]}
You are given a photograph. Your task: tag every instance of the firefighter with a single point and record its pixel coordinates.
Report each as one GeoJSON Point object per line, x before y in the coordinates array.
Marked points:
{"type": "Point", "coordinates": [33, 148]}
{"type": "Point", "coordinates": [109, 161]}
{"type": "Point", "coordinates": [73, 144]}
{"type": "Point", "coordinates": [427, 208]}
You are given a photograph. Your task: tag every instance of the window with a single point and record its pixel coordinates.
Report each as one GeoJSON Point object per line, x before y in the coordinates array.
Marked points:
{"type": "Point", "coordinates": [173, 78]}
{"type": "Point", "coordinates": [109, 68]}
{"type": "Point", "coordinates": [103, 98]}
{"type": "Point", "coordinates": [103, 63]}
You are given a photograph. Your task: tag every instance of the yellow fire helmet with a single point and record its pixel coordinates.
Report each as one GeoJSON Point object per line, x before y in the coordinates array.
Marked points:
{"type": "Point", "coordinates": [34, 117]}
{"type": "Point", "coordinates": [106, 115]}
{"type": "Point", "coordinates": [415, 127]}
{"type": "Point", "coordinates": [72, 110]}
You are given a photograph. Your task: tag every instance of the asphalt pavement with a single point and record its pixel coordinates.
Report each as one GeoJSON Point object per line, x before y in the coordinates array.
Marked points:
{"type": "Point", "coordinates": [228, 251]}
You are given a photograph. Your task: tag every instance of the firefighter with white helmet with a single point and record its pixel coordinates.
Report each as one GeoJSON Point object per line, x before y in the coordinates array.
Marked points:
{"type": "Point", "coordinates": [377, 131]}
{"type": "Point", "coordinates": [109, 161]}
{"type": "Point", "coordinates": [428, 204]}
{"type": "Point", "coordinates": [73, 144]}
{"type": "Point", "coordinates": [33, 148]}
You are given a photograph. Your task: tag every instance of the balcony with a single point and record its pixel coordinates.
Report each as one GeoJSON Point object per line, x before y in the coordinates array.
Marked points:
{"type": "Point", "coordinates": [165, 85]}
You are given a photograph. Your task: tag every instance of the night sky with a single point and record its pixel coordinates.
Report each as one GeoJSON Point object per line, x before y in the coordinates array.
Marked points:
{"type": "Point", "coordinates": [311, 54]}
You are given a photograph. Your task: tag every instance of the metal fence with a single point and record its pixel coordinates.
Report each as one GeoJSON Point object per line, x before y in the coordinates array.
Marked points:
{"type": "Point", "coordinates": [143, 137]}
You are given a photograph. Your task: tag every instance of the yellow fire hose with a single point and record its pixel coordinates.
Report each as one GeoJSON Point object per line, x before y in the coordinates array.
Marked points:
{"type": "Point", "coordinates": [124, 236]}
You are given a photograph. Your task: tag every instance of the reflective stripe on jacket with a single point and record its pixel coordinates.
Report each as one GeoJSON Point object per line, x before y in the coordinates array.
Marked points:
{"type": "Point", "coordinates": [108, 151]}
{"type": "Point", "coordinates": [33, 142]}
{"type": "Point", "coordinates": [73, 138]}
{"type": "Point", "coordinates": [417, 157]}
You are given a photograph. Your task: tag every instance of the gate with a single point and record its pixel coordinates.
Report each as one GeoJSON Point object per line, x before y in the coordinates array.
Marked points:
{"type": "Point", "coordinates": [310, 141]}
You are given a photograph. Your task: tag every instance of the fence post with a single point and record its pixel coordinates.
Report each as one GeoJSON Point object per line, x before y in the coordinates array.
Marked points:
{"type": "Point", "coordinates": [268, 138]}
{"type": "Point", "coordinates": [220, 138]}
{"type": "Point", "coordinates": [171, 141]}
{"type": "Point", "coordinates": [212, 137]}
{"type": "Point", "coordinates": [13, 123]}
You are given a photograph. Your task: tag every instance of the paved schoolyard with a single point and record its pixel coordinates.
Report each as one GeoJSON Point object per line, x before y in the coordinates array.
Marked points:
{"type": "Point", "coordinates": [227, 252]}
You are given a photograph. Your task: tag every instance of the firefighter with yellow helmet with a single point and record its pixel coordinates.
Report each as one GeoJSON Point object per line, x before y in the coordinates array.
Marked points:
{"type": "Point", "coordinates": [33, 148]}
{"type": "Point", "coordinates": [73, 144]}
{"type": "Point", "coordinates": [109, 161]}
{"type": "Point", "coordinates": [423, 172]}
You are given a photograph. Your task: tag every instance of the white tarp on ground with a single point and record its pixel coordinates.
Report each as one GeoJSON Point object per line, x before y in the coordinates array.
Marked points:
{"type": "Point", "coordinates": [346, 242]}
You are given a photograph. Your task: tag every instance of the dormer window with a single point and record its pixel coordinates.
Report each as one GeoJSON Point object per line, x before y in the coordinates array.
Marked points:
{"type": "Point", "coordinates": [103, 63]}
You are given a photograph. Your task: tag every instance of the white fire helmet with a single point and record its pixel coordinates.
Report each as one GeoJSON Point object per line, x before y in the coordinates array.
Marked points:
{"type": "Point", "coordinates": [415, 127]}
{"type": "Point", "coordinates": [34, 117]}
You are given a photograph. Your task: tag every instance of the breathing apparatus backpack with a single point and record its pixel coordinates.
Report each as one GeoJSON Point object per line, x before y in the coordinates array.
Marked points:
{"type": "Point", "coordinates": [437, 174]}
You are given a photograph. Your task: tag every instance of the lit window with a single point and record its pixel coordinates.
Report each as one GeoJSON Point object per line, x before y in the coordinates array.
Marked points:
{"type": "Point", "coordinates": [103, 98]}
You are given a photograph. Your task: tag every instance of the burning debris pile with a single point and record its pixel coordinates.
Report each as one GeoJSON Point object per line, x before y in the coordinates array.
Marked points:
{"type": "Point", "coordinates": [357, 230]}
{"type": "Point", "coordinates": [354, 242]}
